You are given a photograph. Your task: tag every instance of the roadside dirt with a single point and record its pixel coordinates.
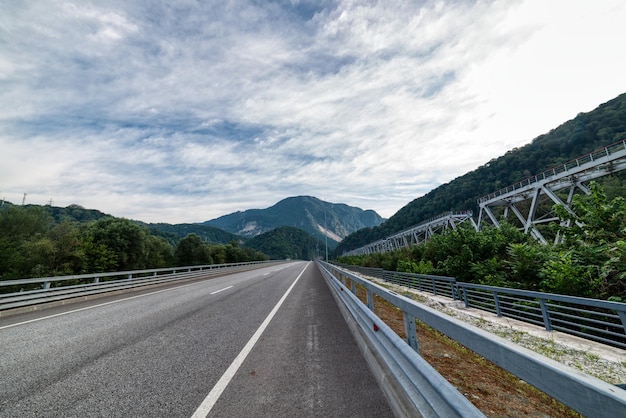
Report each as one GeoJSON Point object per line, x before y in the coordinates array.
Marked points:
{"type": "Point", "coordinates": [493, 390]}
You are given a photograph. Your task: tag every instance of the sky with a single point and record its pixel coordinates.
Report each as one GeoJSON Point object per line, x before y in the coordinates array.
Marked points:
{"type": "Point", "coordinates": [184, 111]}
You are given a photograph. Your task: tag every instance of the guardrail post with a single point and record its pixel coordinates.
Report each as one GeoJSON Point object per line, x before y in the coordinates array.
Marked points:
{"type": "Point", "coordinates": [46, 285]}
{"type": "Point", "coordinates": [353, 286]}
{"type": "Point", "coordinates": [130, 276]}
{"type": "Point", "coordinates": [496, 299]}
{"type": "Point", "coordinates": [410, 331]}
{"type": "Point", "coordinates": [545, 314]}
{"type": "Point", "coordinates": [96, 280]}
{"type": "Point", "coordinates": [370, 299]}
{"type": "Point", "coordinates": [452, 291]}
{"type": "Point", "coordinates": [622, 317]}
{"type": "Point", "coordinates": [465, 298]}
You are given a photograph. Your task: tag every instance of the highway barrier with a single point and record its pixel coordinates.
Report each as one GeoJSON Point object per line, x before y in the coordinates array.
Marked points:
{"type": "Point", "coordinates": [593, 319]}
{"type": "Point", "coordinates": [411, 385]}
{"type": "Point", "coordinates": [585, 394]}
{"type": "Point", "coordinates": [29, 293]}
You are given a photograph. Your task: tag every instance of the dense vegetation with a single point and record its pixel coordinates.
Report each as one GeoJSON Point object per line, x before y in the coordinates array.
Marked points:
{"type": "Point", "coordinates": [287, 242]}
{"type": "Point", "coordinates": [174, 233]}
{"type": "Point", "coordinates": [585, 133]}
{"type": "Point", "coordinates": [590, 261]}
{"type": "Point", "coordinates": [192, 250]}
{"type": "Point", "coordinates": [35, 242]}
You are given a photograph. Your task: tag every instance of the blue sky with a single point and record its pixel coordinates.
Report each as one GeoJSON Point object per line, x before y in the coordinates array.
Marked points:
{"type": "Point", "coordinates": [183, 111]}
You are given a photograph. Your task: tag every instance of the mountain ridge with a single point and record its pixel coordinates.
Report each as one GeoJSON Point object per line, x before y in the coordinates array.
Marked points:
{"type": "Point", "coordinates": [321, 219]}
{"type": "Point", "coordinates": [311, 215]}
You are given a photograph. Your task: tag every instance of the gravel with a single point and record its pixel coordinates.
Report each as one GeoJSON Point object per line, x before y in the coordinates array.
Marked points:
{"type": "Point", "coordinates": [598, 360]}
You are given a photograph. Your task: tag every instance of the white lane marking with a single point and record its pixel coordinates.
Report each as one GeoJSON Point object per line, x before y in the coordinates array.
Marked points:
{"type": "Point", "coordinates": [266, 274]}
{"type": "Point", "coordinates": [208, 403]}
{"type": "Point", "coordinates": [221, 290]}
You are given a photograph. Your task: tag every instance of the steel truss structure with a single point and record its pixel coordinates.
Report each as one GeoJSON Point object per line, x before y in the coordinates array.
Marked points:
{"type": "Point", "coordinates": [558, 185]}
{"type": "Point", "coordinates": [563, 179]}
{"type": "Point", "coordinates": [416, 234]}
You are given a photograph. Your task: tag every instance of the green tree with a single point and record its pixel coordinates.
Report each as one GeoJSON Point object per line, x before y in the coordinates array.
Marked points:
{"type": "Point", "coordinates": [564, 273]}
{"type": "Point", "coordinates": [126, 240]}
{"type": "Point", "coordinates": [524, 264]}
{"type": "Point", "coordinates": [591, 257]}
{"type": "Point", "coordinates": [472, 255]}
{"type": "Point", "coordinates": [67, 256]}
{"type": "Point", "coordinates": [159, 252]}
{"type": "Point", "coordinates": [234, 253]}
{"type": "Point", "coordinates": [20, 228]}
{"type": "Point", "coordinates": [38, 257]}
{"type": "Point", "coordinates": [217, 254]}
{"type": "Point", "coordinates": [191, 251]}
{"type": "Point", "coordinates": [98, 257]}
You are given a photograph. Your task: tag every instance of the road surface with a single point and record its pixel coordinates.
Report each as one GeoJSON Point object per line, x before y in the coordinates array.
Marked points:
{"type": "Point", "coordinates": [261, 343]}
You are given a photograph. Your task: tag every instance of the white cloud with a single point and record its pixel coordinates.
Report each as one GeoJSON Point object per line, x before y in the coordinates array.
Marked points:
{"type": "Point", "coordinates": [185, 111]}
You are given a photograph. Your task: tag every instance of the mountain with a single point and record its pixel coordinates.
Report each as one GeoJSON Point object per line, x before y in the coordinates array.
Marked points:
{"type": "Point", "coordinates": [174, 233]}
{"type": "Point", "coordinates": [318, 218]}
{"type": "Point", "coordinates": [72, 213]}
{"type": "Point", "coordinates": [585, 133]}
{"type": "Point", "coordinates": [287, 242]}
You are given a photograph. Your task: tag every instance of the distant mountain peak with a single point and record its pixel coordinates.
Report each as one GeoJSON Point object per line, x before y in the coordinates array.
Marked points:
{"type": "Point", "coordinates": [318, 218]}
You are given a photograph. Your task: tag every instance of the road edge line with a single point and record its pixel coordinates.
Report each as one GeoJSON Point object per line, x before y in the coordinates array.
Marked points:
{"type": "Point", "coordinates": [207, 404]}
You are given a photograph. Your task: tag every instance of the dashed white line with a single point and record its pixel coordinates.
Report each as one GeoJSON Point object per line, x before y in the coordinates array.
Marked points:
{"type": "Point", "coordinates": [103, 304]}
{"type": "Point", "coordinates": [221, 290]}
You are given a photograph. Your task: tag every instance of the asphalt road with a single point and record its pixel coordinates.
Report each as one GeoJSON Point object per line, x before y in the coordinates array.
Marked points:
{"type": "Point", "coordinates": [267, 342]}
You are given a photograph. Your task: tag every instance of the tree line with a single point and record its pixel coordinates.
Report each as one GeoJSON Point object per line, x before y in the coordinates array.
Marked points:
{"type": "Point", "coordinates": [589, 259]}
{"type": "Point", "coordinates": [32, 244]}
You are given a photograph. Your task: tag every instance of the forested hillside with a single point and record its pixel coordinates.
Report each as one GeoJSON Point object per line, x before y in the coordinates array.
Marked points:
{"type": "Point", "coordinates": [37, 241]}
{"type": "Point", "coordinates": [40, 241]}
{"type": "Point", "coordinates": [175, 232]}
{"type": "Point", "coordinates": [287, 242]}
{"type": "Point", "coordinates": [585, 133]}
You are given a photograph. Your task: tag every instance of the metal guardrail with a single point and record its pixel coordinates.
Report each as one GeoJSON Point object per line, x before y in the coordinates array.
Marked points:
{"type": "Point", "coordinates": [413, 387]}
{"type": "Point", "coordinates": [50, 289]}
{"type": "Point", "coordinates": [368, 271]}
{"type": "Point", "coordinates": [593, 319]}
{"type": "Point", "coordinates": [585, 394]}
{"type": "Point", "coordinates": [437, 285]}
